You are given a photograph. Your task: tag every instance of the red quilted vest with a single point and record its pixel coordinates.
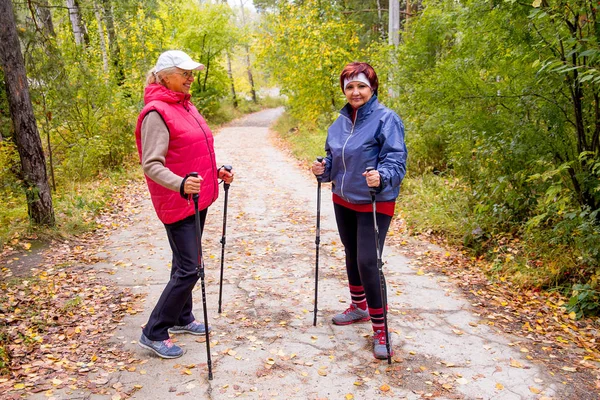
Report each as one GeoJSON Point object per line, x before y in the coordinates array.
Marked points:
{"type": "Point", "coordinates": [190, 150]}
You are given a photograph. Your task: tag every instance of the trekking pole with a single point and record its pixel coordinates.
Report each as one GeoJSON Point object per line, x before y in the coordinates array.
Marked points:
{"type": "Point", "coordinates": [200, 269]}
{"type": "Point", "coordinates": [228, 168]}
{"type": "Point", "coordinates": [317, 241]}
{"type": "Point", "coordinates": [381, 277]}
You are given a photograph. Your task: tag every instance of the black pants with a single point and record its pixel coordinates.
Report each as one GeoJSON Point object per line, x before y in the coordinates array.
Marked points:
{"type": "Point", "coordinates": [175, 304]}
{"type": "Point", "coordinates": [358, 237]}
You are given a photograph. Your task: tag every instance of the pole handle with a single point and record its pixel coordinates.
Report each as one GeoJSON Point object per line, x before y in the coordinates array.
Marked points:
{"type": "Point", "coordinates": [320, 161]}
{"type": "Point", "coordinates": [227, 168]}
{"type": "Point", "coordinates": [371, 190]}
{"type": "Point", "coordinates": [195, 195]}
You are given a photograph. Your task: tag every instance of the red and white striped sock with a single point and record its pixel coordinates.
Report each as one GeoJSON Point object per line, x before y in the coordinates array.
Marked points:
{"type": "Point", "coordinates": [377, 319]}
{"type": "Point", "coordinates": [359, 299]}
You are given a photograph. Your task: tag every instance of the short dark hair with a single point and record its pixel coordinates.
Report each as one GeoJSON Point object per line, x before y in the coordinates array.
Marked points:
{"type": "Point", "coordinates": [356, 68]}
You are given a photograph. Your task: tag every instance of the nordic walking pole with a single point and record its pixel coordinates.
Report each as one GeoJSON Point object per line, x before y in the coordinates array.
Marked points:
{"type": "Point", "coordinates": [317, 241]}
{"type": "Point", "coordinates": [228, 168]}
{"type": "Point", "coordinates": [200, 269]}
{"type": "Point", "coordinates": [381, 277]}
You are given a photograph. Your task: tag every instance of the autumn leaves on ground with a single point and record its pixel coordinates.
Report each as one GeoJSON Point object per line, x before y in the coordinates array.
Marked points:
{"type": "Point", "coordinates": [57, 320]}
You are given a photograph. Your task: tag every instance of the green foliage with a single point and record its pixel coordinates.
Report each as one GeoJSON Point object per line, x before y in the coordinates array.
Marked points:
{"type": "Point", "coordinates": [584, 301]}
{"type": "Point", "coordinates": [306, 142]}
{"type": "Point", "coordinates": [500, 106]}
{"type": "Point", "coordinates": [87, 97]}
{"type": "Point", "coordinates": [208, 32]}
{"type": "Point", "coordinates": [305, 47]}
{"type": "Point", "coordinates": [438, 204]}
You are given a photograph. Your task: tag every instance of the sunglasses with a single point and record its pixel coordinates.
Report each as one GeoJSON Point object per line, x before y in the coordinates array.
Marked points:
{"type": "Point", "coordinates": [186, 74]}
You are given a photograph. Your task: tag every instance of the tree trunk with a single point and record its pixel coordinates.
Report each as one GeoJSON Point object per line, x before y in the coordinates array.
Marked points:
{"type": "Point", "coordinates": [27, 138]}
{"type": "Point", "coordinates": [248, 64]}
{"type": "Point", "coordinates": [43, 13]}
{"type": "Point", "coordinates": [102, 38]}
{"type": "Point", "coordinates": [380, 21]}
{"type": "Point", "coordinates": [394, 23]}
{"type": "Point", "coordinates": [113, 44]}
{"type": "Point", "coordinates": [230, 74]}
{"type": "Point", "coordinates": [79, 30]}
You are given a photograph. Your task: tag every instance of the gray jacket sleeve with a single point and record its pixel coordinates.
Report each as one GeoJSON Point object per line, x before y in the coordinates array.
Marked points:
{"type": "Point", "coordinates": [155, 144]}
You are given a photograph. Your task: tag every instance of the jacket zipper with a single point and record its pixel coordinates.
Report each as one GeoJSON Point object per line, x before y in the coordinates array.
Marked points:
{"type": "Point", "coordinates": [343, 157]}
{"type": "Point", "coordinates": [207, 147]}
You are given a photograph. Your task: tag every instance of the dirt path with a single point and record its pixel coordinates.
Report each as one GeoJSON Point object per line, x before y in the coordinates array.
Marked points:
{"type": "Point", "coordinates": [264, 344]}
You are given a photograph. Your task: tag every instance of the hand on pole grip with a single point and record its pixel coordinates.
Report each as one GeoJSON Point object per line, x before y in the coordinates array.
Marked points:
{"type": "Point", "coordinates": [367, 170]}
{"type": "Point", "coordinates": [195, 175]}
{"type": "Point", "coordinates": [318, 169]}
{"type": "Point", "coordinates": [226, 178]}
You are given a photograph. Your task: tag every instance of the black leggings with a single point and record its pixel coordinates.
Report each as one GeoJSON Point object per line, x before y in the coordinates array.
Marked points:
{"type": "Point", "coordinates": [174, 307]}
{"type": "Point", "coordinates": [358, 237]}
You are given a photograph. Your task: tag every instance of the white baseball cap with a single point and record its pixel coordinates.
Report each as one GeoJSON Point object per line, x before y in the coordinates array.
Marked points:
{"type": "Point", "coordinates": [176, 58]}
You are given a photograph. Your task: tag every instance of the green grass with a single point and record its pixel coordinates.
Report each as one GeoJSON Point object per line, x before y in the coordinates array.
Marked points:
{"type": "Point", "coordinates": [75, 206]}
{"type": "Point", "coordinates": [436, 203]}
{"type": "Point", "coordinates": [306, 144]}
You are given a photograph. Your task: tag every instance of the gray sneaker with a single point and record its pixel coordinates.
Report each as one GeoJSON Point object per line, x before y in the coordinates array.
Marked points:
{"type": "Point", "coordinates": [379, 347]}
{"type": "Point", "coordinates": [162, 348]}
{"type": "Point", "coordinates": [351, 315]}
{"type": "Point", "coordinates": [194, 327]}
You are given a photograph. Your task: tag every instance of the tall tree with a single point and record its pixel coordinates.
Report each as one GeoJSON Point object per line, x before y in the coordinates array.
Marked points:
{"type": "Point", "coordinates": [113, 44]}
{"type": "Point", "coordinates": [79, 29]}
{"type": "Point", "coordinates": [230, 73]}
{"type": "Point", "coordinates": [98, 14]}
{"type": "Point", "coordinates": [27, 138]}
{"type": "Point", "coordinates": [394, 22]}
{"type": "Point", "coordinates": [42, 11]}
{"type": "Point", "coordinates": [248, 63]}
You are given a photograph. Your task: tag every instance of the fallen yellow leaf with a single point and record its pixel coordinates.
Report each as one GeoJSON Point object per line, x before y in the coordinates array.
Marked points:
{"type": "Point", "coordinates": [515, 364]}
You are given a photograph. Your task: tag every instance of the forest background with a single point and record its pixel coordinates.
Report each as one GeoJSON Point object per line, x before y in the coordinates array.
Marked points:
{"type": "Point", "coordinates": [500, 100]}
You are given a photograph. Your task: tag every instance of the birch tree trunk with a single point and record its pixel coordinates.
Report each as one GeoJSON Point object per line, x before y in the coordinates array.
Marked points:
{"type": "Point", "coordinates": [100, 24]}
{"type": "Point", "coordinates": [394, 23]}
{"type": "Point", "coordinates": [79, 30]}
{"type": "Point", "coordinates": [27, 137]}
{"type": "Point", "coordinates": [230, 74]}
{"type": "Point", "coordinates": [248, 64]}
{"type": "Point", "coordinates": [380, 21]}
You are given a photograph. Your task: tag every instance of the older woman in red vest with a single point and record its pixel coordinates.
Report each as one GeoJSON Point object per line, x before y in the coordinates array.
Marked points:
{"type": "Point", "coordinates": [173, 140]}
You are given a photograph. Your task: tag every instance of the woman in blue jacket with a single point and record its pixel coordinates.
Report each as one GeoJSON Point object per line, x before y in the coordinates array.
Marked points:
{"type": "Point", "coordinates": [366, 134]}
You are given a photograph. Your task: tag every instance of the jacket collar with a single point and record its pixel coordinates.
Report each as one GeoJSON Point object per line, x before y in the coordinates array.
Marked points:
{"type": "Point", "coordinates": [156, 91]}
{"type": "Point", "coordinates": [363, 111]}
